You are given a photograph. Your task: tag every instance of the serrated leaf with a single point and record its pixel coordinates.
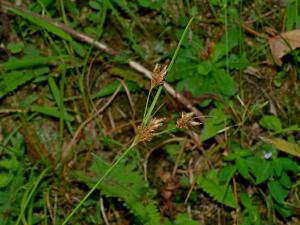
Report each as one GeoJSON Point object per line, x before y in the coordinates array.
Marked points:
{"type": "Point", "coordinates": [220, 192]}
{"type": "Point", "coordinates": [271, 123]}
{"type": "Point", "coordinates": [215, 122]}
{"type": "Point", "coordinates": [278, 192]}
{"type": "Point", "coordinates": [126, 184]}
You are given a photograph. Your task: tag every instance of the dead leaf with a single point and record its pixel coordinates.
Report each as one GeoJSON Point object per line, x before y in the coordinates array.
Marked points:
{"type": "Point", "coordinates": [283, 145]}
{"type": "Point", "coordinates": [284, 43]}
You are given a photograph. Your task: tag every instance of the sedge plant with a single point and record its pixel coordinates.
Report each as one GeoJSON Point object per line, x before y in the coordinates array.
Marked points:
{"type": "Point", "coordinates": [149, 125]}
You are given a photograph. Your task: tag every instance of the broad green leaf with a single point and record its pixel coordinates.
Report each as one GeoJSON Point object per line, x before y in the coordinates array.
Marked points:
{"type": "Point", "coordinates": [278, 192]}
{"type": "Point", "coordinates": [284, 146]}
{"type": "Point", "coordinates": [226, 173]}
{"type": "Point", "coordinates": [214, 124]}
{"type": "Point", "coordinates": [220, 192]}
{"type": "Point", "coordinates": [242, 167]}
{"type": "Point", "coordinates": [278, 166]}
{"type": "Point", "coordinates": [5, 179]}
{"type": "Point", "coordinates": [244, 153]}
{"type": "Point", "coordinates": [172, 150]}
{"type": "Point", "coordinates": [283, 209]}
{"type": "Point", "coordinates": [230, 157]}
{"type": "Point", "coordinates": [232, 36]}
{"type": "Point", "coordinates": [156, 4]}
{"type": "Point", "coordinates": [9, 164]}
{"type": "Point", "coordinates": [288, 164]}
{"type": "Point", "coordinates": [261, 169]}
{"type": "Point", "coordinates": [95, 5]}
{"type": "Point", "coordinates": [205, 67]}
{"type": "Point", "coordinates": [219, 52]}
{"type": "Point", "coordinates": [51, 111]}
{"type": "Point", "coordinates": [225, 84]}
{"type": "Point", "coordinates": [292, 15]}
{"type": "Point", "coordinates": [183, 67]}
{"type": "Point", "coordinates": [271, 123]}
{"type": "Point", "coordinates": [263, 172]}
{"type": "Point", "coordinates": [15, 47]}
{"type": "Point", "coordinates": [184, 219]}
{"type": "Point", "coordinates": [245, 199]}
{"type": "Point", "coordinates": [285, 181]}
{"type": "Point", "coordinates": [235, 62]}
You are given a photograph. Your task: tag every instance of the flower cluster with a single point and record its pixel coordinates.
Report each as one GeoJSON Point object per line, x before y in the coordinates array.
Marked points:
{"type": "Point", "coordinates": [187, 121]}
{"type": "Point", "coordinates": [158, 75]}
{"type": "Point", "coordinates": [146, 132]}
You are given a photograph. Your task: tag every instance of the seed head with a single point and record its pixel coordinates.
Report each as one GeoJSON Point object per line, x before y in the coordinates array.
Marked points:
{"type": "Point", "coordinates": [146, 132]}
{"type": "Point", "coordinates": [158, 75]}
{"type": "Point", "coordinates": [187, 121]}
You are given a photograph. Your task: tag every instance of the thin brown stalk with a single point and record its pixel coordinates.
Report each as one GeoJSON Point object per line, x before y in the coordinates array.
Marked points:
{"type": "Point", "coordinates": [70, 145]}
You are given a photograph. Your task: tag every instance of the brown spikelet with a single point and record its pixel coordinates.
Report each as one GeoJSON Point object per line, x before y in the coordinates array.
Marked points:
{"type": "Point", "coordinates": [186, 121]}
{"type": "Point", "coordinates": [158, 75]}
{"type": "Point", "coordinates": [146, 132]}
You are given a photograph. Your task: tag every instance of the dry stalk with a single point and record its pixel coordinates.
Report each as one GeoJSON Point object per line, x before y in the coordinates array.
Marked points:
{"type": "Point", "coordinates": [67, 149]}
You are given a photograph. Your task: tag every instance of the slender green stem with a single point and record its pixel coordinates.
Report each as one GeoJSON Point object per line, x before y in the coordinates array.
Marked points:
{"type": "Point", "coordinates": [110, 169]}
{"type": "Point", "coordinates": [179, 44]}
{"type": "Point", "coordinates": [149, 113]}
{"type": "Point", "coordinates": [147, 102]}
{"type": "Point", "coordinates": [29, 194]}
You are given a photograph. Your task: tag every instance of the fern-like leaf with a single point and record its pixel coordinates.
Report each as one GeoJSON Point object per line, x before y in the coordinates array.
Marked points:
{"type": "Point", "coordinates": [127, 185]}
{"type": "Point", "coordinates": [220, 192]}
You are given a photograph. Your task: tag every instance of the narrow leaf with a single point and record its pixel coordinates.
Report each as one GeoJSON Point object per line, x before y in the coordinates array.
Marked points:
{"type": "Point", "coordinates": [51, 111]}
{"type": "Point", "coordinates": [283, 145]}
{"type": "Point", "coordinates": [43, 24]}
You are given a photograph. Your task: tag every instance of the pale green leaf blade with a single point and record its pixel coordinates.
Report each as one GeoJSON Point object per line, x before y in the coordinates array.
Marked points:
{"type": "Point", "coordinates": [283, 145]}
